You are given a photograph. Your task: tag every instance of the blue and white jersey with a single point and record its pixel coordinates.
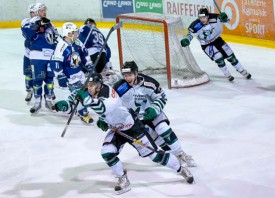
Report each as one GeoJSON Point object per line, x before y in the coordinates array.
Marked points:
{"type": "Point", "coordinates": [41, 41]}
{"type": "Point", "coordinates": [68, 58]}
{"type": "Point", "coordinates": [94, 41]}
{"type": "Point", "coordinates": [25, 24]}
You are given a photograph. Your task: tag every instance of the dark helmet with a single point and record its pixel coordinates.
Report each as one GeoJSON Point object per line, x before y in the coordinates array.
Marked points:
{"type": "Point", "coordinates": [129, 66]}
{"type": "Point", "coordinates": [96, 78]}
{"type": "Point", "coordinates": [203, 12]}
{"type": "Point", "coordinates": [89, 20]}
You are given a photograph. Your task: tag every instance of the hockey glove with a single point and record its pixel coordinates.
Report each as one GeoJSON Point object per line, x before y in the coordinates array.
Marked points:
{"type": "Point", "coordinates": [223, 17]}
{"type": "Point", "coordinates": [41, 25]}
{"type": "Point", "coordinates": [185, 42]}
{"type": "Point", "coordinates": [62, 80]}
{"type": "Point", "coordinates": [150, 114]}
{"type": "Point", "coordinates": [61, 105]}
{"type": "Point", "coordinates": [83, 97]}
{"type": "Point", "coordinates": [102, 125]}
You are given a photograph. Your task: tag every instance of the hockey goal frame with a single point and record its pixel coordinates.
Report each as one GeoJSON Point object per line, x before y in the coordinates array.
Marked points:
{"type": "Point", "coordinates": [165, 25]}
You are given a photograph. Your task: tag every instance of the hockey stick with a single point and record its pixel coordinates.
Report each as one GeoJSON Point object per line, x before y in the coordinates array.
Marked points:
{"type": "Point", "coordinates": [137, 141]}
{"type": "Point", "coordinates": [115, 27]}
{"type": "Point", "coordinates": [217, 6]}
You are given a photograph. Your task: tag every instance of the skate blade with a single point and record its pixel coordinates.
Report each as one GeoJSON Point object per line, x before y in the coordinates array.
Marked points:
{"type": "Point", "coordinates": [123, 191]}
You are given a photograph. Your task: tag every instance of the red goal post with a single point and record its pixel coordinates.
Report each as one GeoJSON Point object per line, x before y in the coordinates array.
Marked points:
{"type": "Point", "coordinates": [153, 41]}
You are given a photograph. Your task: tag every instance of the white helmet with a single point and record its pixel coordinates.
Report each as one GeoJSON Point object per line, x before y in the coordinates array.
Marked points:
{"type": "Point", "coordinates": [68, 27]}
{"type": "Point", "coordinates": [31, 8]}
{"type": "Point", "coordinates": [38, 6]}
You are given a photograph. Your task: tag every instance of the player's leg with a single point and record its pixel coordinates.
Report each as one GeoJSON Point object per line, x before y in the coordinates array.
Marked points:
{"type": "Point", "coordinates": [235, 63]}
{"type": "Point", "coordinates": [109, 152]}
{"type": "Point", "coordinates": [228, 53]}
{"type": "Point", "coordinates": [28, 78]}
{"type": "Point", "coordinates": [161, 125]}
{"type": "Point", "coordinates": [214, 54]}
{"type": "Point", "coordinates": [165, 159]}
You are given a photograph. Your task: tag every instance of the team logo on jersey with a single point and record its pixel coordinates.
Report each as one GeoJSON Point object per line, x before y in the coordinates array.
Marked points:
{"type": "Point", "coordinates": [207, 31]}
{"type": "Point", "coordinates": [75, 60]}
{"type": "Point", "coordinates": [49, 36]}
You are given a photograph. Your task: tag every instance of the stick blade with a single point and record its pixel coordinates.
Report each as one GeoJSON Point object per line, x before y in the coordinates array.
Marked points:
{"type": "Point", "coordinates": [117, 26]}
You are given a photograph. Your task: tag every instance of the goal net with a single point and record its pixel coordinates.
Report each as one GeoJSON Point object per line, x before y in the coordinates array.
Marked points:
{"type": "Point", "coordinates": [152, 40]}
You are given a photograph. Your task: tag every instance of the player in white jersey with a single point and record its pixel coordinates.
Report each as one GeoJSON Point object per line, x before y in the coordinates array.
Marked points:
{"type": "Point", "coordinates": [144, 95]}
{"type": "Point", "coordinates": [107, 104]}
{"type": "Point", "coordinates": [26, 59]}
{"type": "Point", "coordinates": [208, 28]}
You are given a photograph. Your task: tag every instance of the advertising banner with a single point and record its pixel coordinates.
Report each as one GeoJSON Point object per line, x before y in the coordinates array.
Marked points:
{"type": "Point", "coordinates": [250, 18]}
{"type": "Point", "coordinates": [187, 9]}
{"type": "Point", "coordinates": [111, 8]}
{"type": "Point", "coordinates": [149, 6]}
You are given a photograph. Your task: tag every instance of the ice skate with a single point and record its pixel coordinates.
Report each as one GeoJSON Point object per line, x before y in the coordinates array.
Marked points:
{"type": "Point", "coordinates": [86, 119]}
{"type": "Point", "coordinates": [37, 105]}
{"type": "Point", "coordinates": [29, 95]}
{"type": "Point", "coordinates": [188, 177]}
{"type": "Point", "coordinates": [183, 158]}
{"type": "Point", "coordinates": [246, 74]}
{"type": "Point", "coordinates": [123, 184]}
{"type": "Point", "coordinates": [49, 104]}
{"type": "Point", "coordinates": [230, 78]}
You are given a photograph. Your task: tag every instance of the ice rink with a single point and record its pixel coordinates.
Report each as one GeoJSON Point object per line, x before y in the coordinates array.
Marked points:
{"type": "Point", "coordinates": [229, 128]}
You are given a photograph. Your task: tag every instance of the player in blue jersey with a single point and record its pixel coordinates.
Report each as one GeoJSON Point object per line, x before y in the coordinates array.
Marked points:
{"type": "Point", "coordinates": [68, 62]}
{"type": "Point", "coordinates": [26, 59]}
{"type": "Point", "coordinates": [93, 39]}
{"type": "Point", "coordinates": [109, 75]}
{"type": "Point", "coordinates": [42, 35]}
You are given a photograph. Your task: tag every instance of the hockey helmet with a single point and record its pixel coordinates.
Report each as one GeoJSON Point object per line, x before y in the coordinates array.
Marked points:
{"type": "Point", "coordinates": [96, 78]}
{"type": "Point", "coordinates": [39, 6]}
{"type": "Point", "coordinates": [68, 27]}
{"type": "Point", "coordinates": [31, 8]}
{"type": "Point", "coordinates": [129, 66]}
{"type": "Point", "coordinates": [203, 12]}
{"type": "Point", "coordinates": [89, 20]}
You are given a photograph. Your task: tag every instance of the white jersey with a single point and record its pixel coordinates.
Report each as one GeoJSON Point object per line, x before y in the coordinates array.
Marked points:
{"type": "Point", "coordinates": [147, 93]}
{"type": "Point", "coordinates": [206, 33]}
{"type": "Point", "coordinates": [109, 106]}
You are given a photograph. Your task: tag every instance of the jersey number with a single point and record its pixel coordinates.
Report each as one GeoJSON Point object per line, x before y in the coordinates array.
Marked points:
{"type": "Point", "coordinates": [98, 38]}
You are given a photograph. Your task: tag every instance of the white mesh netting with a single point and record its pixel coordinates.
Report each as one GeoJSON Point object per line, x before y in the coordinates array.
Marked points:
{"type": "Point", "coordinates": [143, 39]}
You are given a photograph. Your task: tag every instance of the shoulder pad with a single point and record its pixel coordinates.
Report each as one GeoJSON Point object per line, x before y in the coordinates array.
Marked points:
{"type": "Point", "coordinates": [104, 91]}
{"type": "Point", "coordinates": [149, 81]}
{"type": "Point", "coordinates": [25, 21]}
{"type": "Point", "coordinates": [195, 26]}
{"type": "Point", "coordinates": [121, 87]}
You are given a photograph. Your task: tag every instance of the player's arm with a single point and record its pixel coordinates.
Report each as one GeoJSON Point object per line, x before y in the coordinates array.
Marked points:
{"type": "Point", "coordinates": [192, 30]}
{"type": "Point", "coordinates": [157, 95]}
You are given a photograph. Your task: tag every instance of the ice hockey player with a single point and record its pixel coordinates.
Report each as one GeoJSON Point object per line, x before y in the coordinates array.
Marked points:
{"type": "Point", "coordinates": [93, 39]}
{"type": "Point", "coordinates": [107, 104]}
{"type": "Point", "coordinates": [42, 35]}
{"type": "Point", "coordinates": [68, 62]}
{"type": "Point", "coordinates": [208, 28]}
{"type": "Point", "coordinates": [109, 75]}
{"type": "Point", "coordinates": [91, 22]}
{"type": "Point", "coordinates": [144, 95]}
{"type": "Point", "coordinates": [26, 59]}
